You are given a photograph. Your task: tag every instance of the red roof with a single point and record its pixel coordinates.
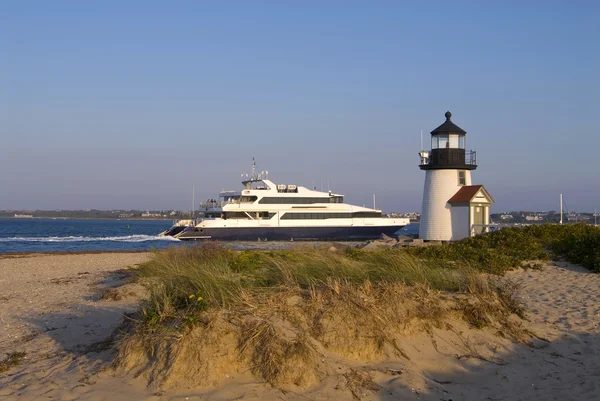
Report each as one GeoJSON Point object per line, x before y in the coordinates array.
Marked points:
{"type": "Point", "coordinates": [465, 194]}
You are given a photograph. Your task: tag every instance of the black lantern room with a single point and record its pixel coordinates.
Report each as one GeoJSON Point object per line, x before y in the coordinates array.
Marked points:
{"type": "Point", "coordinates": [448, 149]}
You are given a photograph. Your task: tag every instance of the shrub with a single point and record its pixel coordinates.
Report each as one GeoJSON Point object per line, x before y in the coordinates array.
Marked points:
{"type": "Point", "coordinates": [505, 249]}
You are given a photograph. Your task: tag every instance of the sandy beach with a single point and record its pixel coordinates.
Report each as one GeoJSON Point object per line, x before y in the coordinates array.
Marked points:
{"type": "Point", "coordinates": [62, 309]}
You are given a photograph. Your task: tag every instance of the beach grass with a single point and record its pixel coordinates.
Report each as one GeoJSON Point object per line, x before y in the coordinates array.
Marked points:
{"type": "Point", "coordinates": [211, 310]}
{"type": "Point", "coordinates": [13, 359]}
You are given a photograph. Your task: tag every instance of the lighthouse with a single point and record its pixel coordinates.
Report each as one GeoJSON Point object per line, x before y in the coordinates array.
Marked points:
{"type": "Point", "coordinates": [452, 207]}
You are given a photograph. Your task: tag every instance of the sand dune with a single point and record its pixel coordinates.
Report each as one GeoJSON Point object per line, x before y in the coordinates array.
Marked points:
{"type": "Point", "coordinates": [52, 307]}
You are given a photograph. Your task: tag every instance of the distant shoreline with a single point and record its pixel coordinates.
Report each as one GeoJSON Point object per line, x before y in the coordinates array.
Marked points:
{"type": "Point", "coordinates": [88, 218]}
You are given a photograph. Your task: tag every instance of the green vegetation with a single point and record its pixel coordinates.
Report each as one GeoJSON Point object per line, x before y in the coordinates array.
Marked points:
{"type": "Point", "coordinates": [511, 247]}
{"type": "Point", "coordinates": [212, 310]}
{"type": "Point", "coordinates": [220, 276]}
{"type": "Point", "coordinates": [12, 360]}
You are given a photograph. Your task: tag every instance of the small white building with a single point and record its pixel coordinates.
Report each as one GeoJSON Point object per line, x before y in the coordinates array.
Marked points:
{"type": "Point", "coordinates": [470, 211]}
{"type": "Point", "coordinates": [452, 207]}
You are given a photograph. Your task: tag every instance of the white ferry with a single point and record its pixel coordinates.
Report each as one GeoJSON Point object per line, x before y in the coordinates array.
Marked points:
{"type": "Point", "coordinates": [266, 211]}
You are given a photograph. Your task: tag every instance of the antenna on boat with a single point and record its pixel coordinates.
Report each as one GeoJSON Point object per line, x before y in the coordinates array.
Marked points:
{"type": "Point", "coordinates": [374, 202]}
{"type": "Point", "coordinates": [422, 141]}
{"type": "Point", "coordinates": [193, 200]}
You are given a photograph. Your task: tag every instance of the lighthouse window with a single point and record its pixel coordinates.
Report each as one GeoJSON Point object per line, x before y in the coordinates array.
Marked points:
{"type": "Point", "coordinates": [434, 142]}
{"type": "Point", "coordinates": [462, 179]}
{"type": "Point", "coordinates": [461, 142]}
{"type": "Point", "coordinates": [454, 141]}
{"type": "Point", "coordinates": [443, 144]}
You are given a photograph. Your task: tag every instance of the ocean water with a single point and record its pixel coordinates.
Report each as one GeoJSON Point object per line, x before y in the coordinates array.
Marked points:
{"type": "Point", "coordinates": [68, 235]}
{"type": "Point", "coordinates": [411, 229]}
{"type": "Point", "coordinates": [60, 235]}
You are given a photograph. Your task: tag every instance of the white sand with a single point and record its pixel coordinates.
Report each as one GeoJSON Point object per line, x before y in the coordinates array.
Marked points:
{"type": "Point", "coordinates": [50, 309]}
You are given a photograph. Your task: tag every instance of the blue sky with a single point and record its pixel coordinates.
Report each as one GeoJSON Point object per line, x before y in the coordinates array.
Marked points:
{"type": "Point", "coordinates": [128, 104]}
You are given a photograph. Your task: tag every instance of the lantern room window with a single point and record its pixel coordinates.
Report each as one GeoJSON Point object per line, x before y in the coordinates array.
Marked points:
{"type": "Point", "coordinates": [461, 142]}
{"type": "Point", "coordinates": [453, 141]}
{"type": "Point", "coordinates": [443, 141]}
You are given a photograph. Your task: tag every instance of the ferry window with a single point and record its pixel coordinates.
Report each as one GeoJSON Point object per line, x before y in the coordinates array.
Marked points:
{"type": "Point", "coordinates": [293, 200]}
{"type": "Point", "coordinates": [462, 179]}
{"type": "Point", "coordinates": [248, 199]}
{"type": "Point", "coordinates": [453, 141]}
{"type": "Point", "coordinates": [443, 141]}
{"type": "Point", "coordinates": [461, 142]}
{"type": "Point", "coordinates": [367, 214]}
{"type": "Point", "coordinates": [323, 216]}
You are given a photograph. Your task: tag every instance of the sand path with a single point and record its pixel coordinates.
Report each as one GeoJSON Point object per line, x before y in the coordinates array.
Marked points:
{"type": "Point", "coordinates": [50, 308]}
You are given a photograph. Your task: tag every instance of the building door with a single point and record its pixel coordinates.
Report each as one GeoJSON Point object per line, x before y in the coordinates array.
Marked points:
{"type": "Point", "coordinates": [478, 219]}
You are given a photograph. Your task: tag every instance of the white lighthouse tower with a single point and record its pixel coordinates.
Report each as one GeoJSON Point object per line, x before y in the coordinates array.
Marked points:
{"type": "Point", "coordinates": [452, 208]}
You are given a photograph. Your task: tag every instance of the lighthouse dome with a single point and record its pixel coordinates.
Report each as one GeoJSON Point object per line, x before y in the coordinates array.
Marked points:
{"type": "Point", "coordinates": [448, 127]}
{"type": "Point", "coordinates": [448, 148]}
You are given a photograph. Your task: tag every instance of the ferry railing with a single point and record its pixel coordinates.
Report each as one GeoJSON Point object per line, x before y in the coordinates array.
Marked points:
{"type": "Point", "coordinates": [209, 205]}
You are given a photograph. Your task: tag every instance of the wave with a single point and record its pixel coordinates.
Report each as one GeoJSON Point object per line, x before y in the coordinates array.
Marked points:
{"type": "Point", "coordinates": [127, 238]}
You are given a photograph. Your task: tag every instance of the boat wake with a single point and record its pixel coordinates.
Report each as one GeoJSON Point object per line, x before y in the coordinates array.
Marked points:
{"type": "Point", "coordinates": [127, 238]}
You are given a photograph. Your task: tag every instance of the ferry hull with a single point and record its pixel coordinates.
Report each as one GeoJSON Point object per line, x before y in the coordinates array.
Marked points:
{"type": "Point", "coordinates": [287, 233]}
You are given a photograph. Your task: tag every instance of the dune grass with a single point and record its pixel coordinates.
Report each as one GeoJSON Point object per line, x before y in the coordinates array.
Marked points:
{"type": "Point", "coordinates": [197, 278]}
{"type": "Point", "coordinates": [11, 360]}
{"type": "Point", "coordinates": [212, 310]}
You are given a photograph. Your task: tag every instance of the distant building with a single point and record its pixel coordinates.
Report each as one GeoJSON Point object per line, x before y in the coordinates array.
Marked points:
{"type": "Point", "coordinates": [533, 218]}
{"type": "Point", "coordinates": [410, 215]}
{"type": "Point", "coordinates": [506, 217]}
{"type": "Point", "coordinates": [148, 214]}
